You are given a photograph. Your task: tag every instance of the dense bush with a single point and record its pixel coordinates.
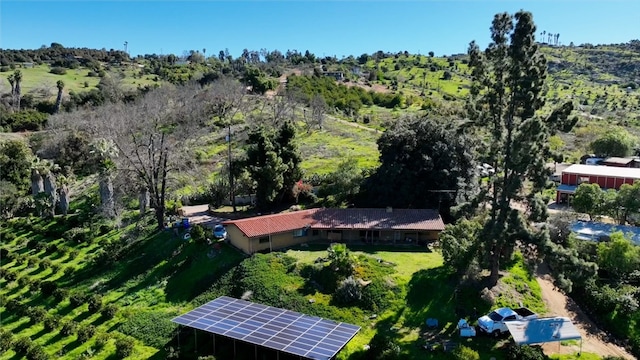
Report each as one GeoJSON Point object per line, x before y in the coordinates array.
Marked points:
{"type": "Point", "coordinates": [68, 328]}
{"type": "Point", "coordinates": [4, 253]}
{"type": "Point", "coordinates": [349, 292]}
{"type": "Point", "coordinates": [198, 233]}
{"type": "Point", "coordinates": [22, 344]}
{"type": "Point", "coordinates": [124, 347]}
{"type": "Point", "coordinates": [6, 340]}
{"type": "Point", "coordinates": [376, 296]}
{"type": "Point", "coordinates": [152, 328]}
{"type": "Point", "coordinates": [77, 298]}
{"type": "Point", "coordinates": [95, 303]}
{"type": "Point", "coordinates": [60, 294]}
{"type": "Point", "coordinates": [36, 314]}
{"type": "Point", "coordinates": [36, 352]}
{"type": "Point", "coordinates": [109, 311]}
{"type": "Point", "coordinates": [77, 235]}
{"type": "Point", "coordinates": [10, 276]}
{"type": "Point", "coordinates": [101, 341]}
{"type": "Point", "coordinates": [525, 352]}
{"type": "Point", "coordinates": [85, 332]}
{"type": "Point", "coordinates": [462, 352]}
{"type": "Point", "coordinates": [24, 120]}
{"type": "Point", "coordinates": [58, 70]}
{"type": "Point", "coordinates": [51, 322]}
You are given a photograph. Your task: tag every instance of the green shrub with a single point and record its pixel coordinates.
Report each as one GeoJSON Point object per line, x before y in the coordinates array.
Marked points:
{"type": "Point", "coordinates": [8, 237]}
{"type": "Point", "coordinates": [349, 292]}
{"type": "Point", "coordinates": [376, 296]}
{"type": "Point", "coordinates": [51, 322]}
{"type": "Point", "coordinates": [198, 233]}
{"type": "Point", "coordinates": [11, 276]}
{"type": "Point", "coordinates": [33, 261]}
{"type": "Point", "coordinates": [95, 303]}
{"type": "Point", "coordinates": [124, 347]}
{"type": "Point", "coordinates": [22, 344]}
{"type": "Point", "coordinates": [77, 235]}
{"type": "Point", "coordinates": [109, 311]}
{"type": "Point", "coordinates": [68, 328]}
{"type": "Point", "coordinates": [58, 70]}
{"type": "Point", "coordinates": [101, 341]}
{"type": "Point", "coordinates": [24, 281]}
{"type": "Point", "coordinates": [383, 347]}
{"type": "Point", "coordinates": [45, 263]}
{"type": "Point", "coordinates": [152, 328]}
{"type": "Point", "coordinates": [36, 352]}
{"type": "Point", "coordinates": [85, 332]}
{"type": "Point", "coordinates": [36, 314]}
{"type": "Point", "coordinates": [15, 306]}
{"type": "Point", "coordinates": [60, 294]}
{"type": "Point", "coordinates": [525, 352]}
{"type": "Point", "coordinates": [6, 340]}
{"type": "Point", "coordinates": [462, 352]}
{"type": "Point", "coordinates": [77, 298]}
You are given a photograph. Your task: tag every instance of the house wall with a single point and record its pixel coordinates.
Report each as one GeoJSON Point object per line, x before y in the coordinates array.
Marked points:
{"type": "Point", "coordinates": [237, 238]}
{"type": "Point", "coordinates": [605, 182]}
{"type": "Point", "coordinates": [279, 241]}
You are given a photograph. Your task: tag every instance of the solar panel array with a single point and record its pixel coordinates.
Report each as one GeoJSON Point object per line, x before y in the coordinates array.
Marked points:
{"type": "Point", "coordinates": [284, 330]}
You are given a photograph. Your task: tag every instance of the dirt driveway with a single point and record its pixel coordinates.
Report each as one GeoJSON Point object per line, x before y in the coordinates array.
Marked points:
{"type": "Point", "coordinates": [593, 339]}
{"type": "Point", "coordinates": [199, 214]}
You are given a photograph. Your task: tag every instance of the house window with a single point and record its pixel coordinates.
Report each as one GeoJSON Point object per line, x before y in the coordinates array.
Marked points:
{"type": "Point", "coordinates": [300, 232]}
{"type": "Point", "coordinates": [264, 239]}
{"type": "Point", "coordinates": [583, 179]}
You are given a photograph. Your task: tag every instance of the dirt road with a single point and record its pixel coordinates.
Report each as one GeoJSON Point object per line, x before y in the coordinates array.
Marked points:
{"type": "Point", "coordinates": [559, 304]}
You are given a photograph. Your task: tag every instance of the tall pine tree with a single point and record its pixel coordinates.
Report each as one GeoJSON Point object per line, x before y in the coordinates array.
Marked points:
{"type": "Point", "coordinates": [506, 96]}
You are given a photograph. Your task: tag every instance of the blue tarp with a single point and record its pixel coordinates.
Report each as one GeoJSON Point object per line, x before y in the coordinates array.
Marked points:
{"type": "Point", "coordinates": [591, 230]}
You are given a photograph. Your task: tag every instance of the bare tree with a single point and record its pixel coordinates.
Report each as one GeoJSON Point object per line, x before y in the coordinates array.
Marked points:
{"type": "Point", "coordinates": [152, 135]}
{"type": "Point", "coordinates": [318, 110]}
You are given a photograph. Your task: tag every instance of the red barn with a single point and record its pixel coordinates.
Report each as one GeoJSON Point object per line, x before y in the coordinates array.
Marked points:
{"type": "Point", "coordinates": [608, 177]}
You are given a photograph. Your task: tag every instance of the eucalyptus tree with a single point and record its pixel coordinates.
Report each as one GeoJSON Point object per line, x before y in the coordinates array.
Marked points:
{"type": "Point", "coordinates": [506, 96]}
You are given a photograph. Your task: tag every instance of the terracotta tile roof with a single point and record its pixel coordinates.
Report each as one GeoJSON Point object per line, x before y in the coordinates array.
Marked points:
{"type": "Point", "coordinates": [341, 219]}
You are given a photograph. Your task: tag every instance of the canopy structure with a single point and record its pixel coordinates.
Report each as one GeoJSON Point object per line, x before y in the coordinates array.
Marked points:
{"type": "Point", "coordinates": [283, 330]}
{"type": "Point", "coordinates": [543, 330]}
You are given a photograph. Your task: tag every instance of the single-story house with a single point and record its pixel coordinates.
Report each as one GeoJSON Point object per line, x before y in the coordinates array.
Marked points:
{"type": "Point", "coordinates": [379, 226]}
{"type": "Point", "coordinates": [608, 177]}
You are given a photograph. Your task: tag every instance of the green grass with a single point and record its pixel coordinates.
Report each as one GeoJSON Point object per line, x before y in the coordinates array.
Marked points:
{"type": "Point", "coordinates": [323, 150]}
{"type": "Point", "coordinates": [160, 274]}
{"type": "Point", "coordinates": [40, 77]}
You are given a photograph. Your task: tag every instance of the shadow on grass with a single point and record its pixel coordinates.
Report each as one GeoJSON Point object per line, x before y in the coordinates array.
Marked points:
{"type": "Point", "coordinates": [24, 326]}
{"type": "Point", "coordinates": [55, 339]}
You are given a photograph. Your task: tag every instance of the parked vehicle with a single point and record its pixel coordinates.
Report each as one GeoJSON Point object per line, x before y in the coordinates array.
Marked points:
{"type": "Point", "coordinates": [494, 322]}
{"type": "Point", "coordinates": [219, 232]}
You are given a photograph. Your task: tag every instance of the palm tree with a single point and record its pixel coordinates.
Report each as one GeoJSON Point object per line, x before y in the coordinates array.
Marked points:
{"type": "Point", "coordinates": [544, 32]}
{"type": "Point", "coordinates": [106, 151]}
{"type": "Point", "coordinates": [12, 81]}
{"type": "Point", "coordinates": [557, 37]}
{"type": "Point", "coordinates": [37, 184]}
{"type": "Point", "coordinates": [17, 76]}
{"type": "Point", "coordinates": [50, 186]}
{"type": "Point", "coordinates": [60, 86]}
{"type": "Point", "coordinates": [64, 194]}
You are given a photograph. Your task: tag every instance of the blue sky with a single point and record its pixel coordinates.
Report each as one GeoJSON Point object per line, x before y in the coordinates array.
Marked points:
{"type": "Point", "coordinates": [323, 27]}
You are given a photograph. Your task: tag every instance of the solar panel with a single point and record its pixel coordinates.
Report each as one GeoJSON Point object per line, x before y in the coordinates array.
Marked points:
{"type": "Point", "coordinates": [284, 330]}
